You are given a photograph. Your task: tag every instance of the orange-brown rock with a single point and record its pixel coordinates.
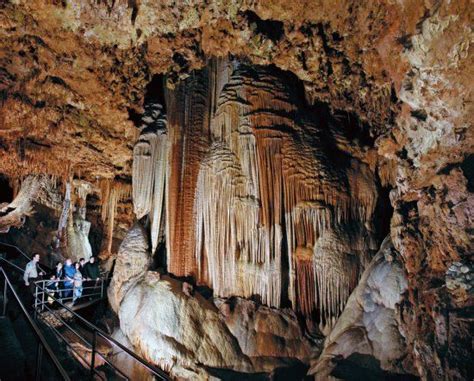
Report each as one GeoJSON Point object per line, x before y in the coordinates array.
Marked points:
{"type": "Point", "coordinates": [72, 74]}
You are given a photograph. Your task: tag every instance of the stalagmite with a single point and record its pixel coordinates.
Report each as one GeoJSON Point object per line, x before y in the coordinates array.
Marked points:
{"type": "Point", "coordinates": [133, 259]}
{"type": "Point", "coordinates": [77, 226]}
{"type": "Point", "coordinates": [369, 323]}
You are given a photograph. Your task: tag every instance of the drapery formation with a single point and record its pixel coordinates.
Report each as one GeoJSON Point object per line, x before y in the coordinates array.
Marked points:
{"type": "Point", "coordinates": [149, 170]}
{"type": "Point", "coordinates": [190, 108]}
{"type": "Point", "coordinates": [258, 199]}
{"type": "Point", "coordinates": [111, 193]}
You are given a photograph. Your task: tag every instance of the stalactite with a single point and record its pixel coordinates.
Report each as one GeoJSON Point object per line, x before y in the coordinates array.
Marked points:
{"type": "Point", "coordinates": [190, 108]}
{"type": "Point", "coordinates": [266, 184]}
{"type": "Point", "coordinates": [65, 210]}
{"type": "Point", "coordinates": [251, 194]}
{"type": "Point", "coordinates": [150, 159]}
{"type": "Point", "coordinates": [111, 192]}
{"type": "Point", "coordinates": [143, 175]}
{"type": "Point", "coordinates": [160, 156]}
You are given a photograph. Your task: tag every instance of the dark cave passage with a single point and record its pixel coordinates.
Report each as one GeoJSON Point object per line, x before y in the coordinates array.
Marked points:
{"type": "Point", "coordinates": [6, 191]}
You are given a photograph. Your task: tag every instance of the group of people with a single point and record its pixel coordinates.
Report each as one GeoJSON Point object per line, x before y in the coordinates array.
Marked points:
{"type": "Point", "coordinates": [68, 279]}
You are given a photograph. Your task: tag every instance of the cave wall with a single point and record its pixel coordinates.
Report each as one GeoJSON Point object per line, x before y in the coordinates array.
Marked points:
{"type": "Point", "coordinates": [73, 75]}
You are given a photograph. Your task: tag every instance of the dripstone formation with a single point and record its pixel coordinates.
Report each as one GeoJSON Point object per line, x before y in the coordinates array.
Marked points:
{"type": "Point", "coordinates": [281, 189]}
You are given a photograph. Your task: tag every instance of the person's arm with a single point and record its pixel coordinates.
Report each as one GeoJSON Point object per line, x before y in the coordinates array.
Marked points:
{"type": "Point", "coordinates": [26, 274]}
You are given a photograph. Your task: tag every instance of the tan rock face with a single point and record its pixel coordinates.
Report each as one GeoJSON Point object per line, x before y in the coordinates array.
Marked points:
{"type": "Point", "coordinates": [172, 329]}
{"type": "Point", "coordinates": [369, 325]}
{"type": "Point", "coordinates": [33, 189]}
{"type": "Point", "coordinates": [72, 73]}
{"type": "Point", "coordinates": [265, 332]}
{"type": "Point", "coordinates": [133, 260]}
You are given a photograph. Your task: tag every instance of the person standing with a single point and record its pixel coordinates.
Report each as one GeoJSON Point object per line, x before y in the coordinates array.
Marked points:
{"type": "Point", "coordinates": [92, 274]}
{"type": "Point", "coordinates": [77, 283]}
{"type": "Point", "coordinates": [59, 274]}
{"type": "Point", "coordinates": [31, 274]}
{"type": "Point", "coordinates": [91, 268]}
{"type": "Point", "coordinates": [82, 264]}
{"type": "Point", "coordinates": [69, 271]}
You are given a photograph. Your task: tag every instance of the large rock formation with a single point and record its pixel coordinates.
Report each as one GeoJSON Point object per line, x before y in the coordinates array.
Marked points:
{"type": "Point", "coordinates": [395, 76]}
{"type": "Point", "coordinates": [133, 260]}
{"type": "Point", "coordinates": [265, 332]}
{"type": "Point", "coordinates": [256, 204]}
{"type": "Point", "coordinates": [369, 323]}
{"type": "Point", "coordinates": [33, 189]}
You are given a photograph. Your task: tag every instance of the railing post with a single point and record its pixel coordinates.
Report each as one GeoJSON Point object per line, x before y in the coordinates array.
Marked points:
{"type": "Point", "coordinates": [4, 310]}
{"type": "Point", "coordinates": [36, 300]}
{"type": "Point", "coordinates": [39, 360]}
{"type": "Point", "coordinates": [43, 290]}
{"type": "Point", "coordinates": [101, 288]}
{"type": "Point", "coordinates": [94, 343]}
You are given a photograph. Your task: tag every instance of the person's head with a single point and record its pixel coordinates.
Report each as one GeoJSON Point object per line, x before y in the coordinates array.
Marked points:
{"type": "Point", "coordinates": [92, 260]}
{"type": "Point", "coordinates": [59, 265]}
{"type": "Point", "coordinates": [68, 262]}
{"type": "Point", "coordinates": [82, 261]}
{"type": "Point", "coordinates": [36, 257]}
{"type": "Point", "coordinates": [52, 277]}
{"type": "Point", "coordinates": [77, 265]}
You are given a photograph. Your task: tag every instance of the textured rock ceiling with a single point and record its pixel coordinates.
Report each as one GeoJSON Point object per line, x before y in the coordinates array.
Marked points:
{"type": "Point", "coordinates": [70, 71]}
{"type": "Point", "coordinates": [73, 74]}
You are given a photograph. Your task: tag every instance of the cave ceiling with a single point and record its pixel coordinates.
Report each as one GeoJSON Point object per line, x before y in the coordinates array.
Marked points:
{"type": "Point", "coordinates": [73, 72]}
{"type": "Point", "coordinates": [391, 80]}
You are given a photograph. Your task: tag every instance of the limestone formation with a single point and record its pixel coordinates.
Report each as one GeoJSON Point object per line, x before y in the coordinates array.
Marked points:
{"type": "Point", "coordinates": [265, 332]}
{"type": "Point", "coordinates": [33, 189]}
{"type": "Point", "coordinates": [133, 260]}
{"type": "Point", "coordinates": [173, 330]}
{"type": "Point", "coordinates": [149, 171]}
{"type": "Point", "coordinates": [78, 227]}
{"type": "Point", "coordinates": [297, 135]}
{"type": "Point", "coordinates": [251, 193]}
{"type": "Point", "coordinates": [369, 323]}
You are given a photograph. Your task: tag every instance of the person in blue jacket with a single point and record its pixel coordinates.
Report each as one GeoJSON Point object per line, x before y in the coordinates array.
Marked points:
{"type": "Point", "coordinates": [69, 271]}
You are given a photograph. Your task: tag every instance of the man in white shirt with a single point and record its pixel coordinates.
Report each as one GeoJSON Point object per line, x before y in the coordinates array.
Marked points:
{"type": "Point", "coordinates": [31, 272]}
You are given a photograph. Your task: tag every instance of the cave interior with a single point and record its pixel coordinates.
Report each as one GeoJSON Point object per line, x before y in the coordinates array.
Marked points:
{"type": "Point", "coordinates": [270, 194]}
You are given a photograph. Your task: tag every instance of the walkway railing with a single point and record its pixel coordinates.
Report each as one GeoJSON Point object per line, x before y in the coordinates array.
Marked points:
{"type": "Point", "coordinates": [47, 300]}
{"type": "Point", "coordinates": [43, 344]}
{"type": "Point", "coordinates": [92, 344]}
{"type": "Point", "coordinates": [64, 291]}
{"type": "Point", "coordinates": [22, 253]}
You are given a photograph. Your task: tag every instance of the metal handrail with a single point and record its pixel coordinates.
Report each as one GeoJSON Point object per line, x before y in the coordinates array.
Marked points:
{"type": "Point", "coordinates": [17, 249]}
{"type": "Point", "coordinates": [12, 264]}
{"type": "Point", "coordinates": [43, 285]}
{"type": "Point", "coordinates": [43, 343]}
{"type": "Point", "coordinates": [97, 331]}
{"type": "Point", "coordinates": [21, 252]}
